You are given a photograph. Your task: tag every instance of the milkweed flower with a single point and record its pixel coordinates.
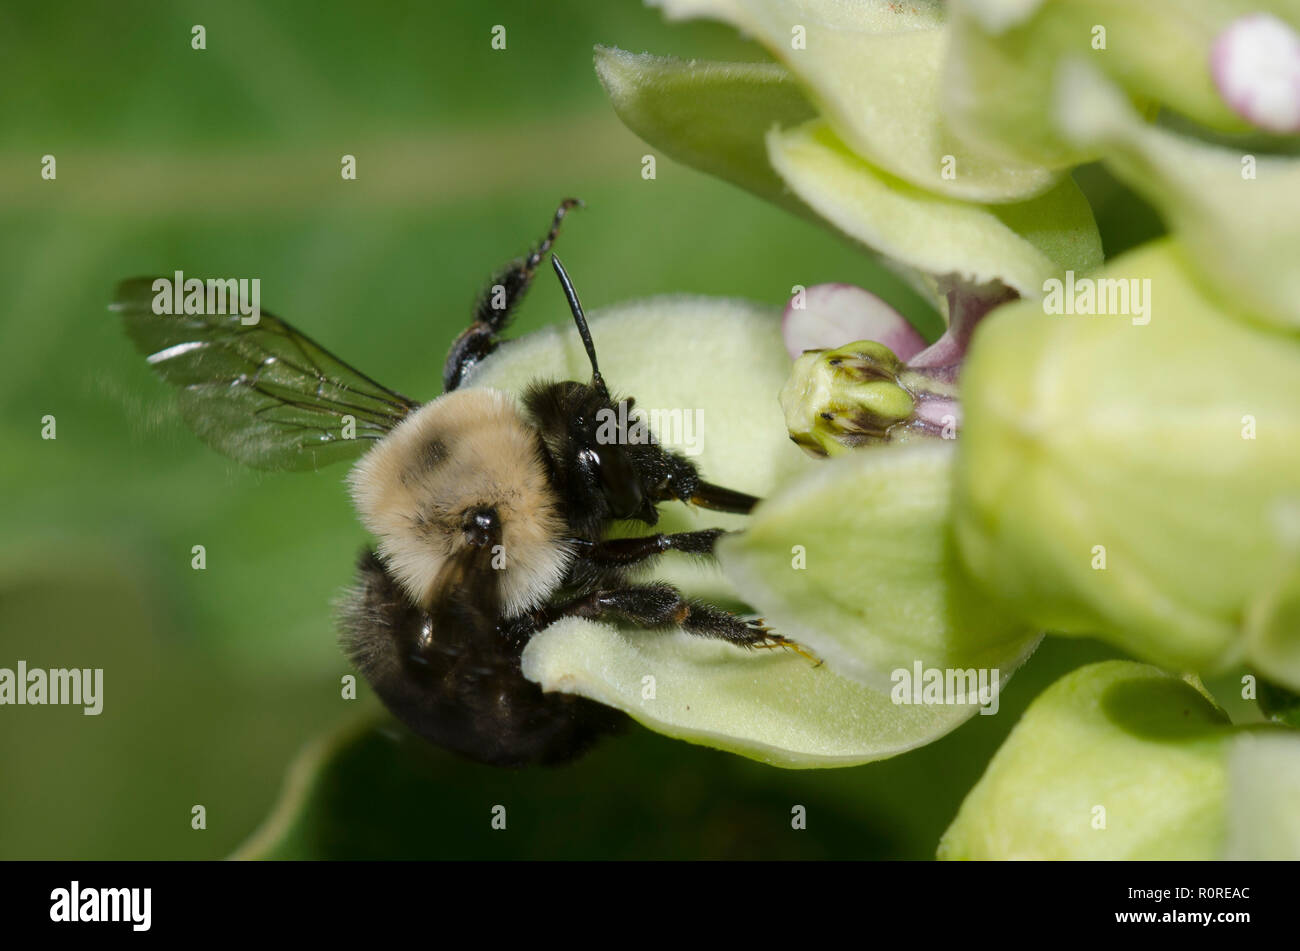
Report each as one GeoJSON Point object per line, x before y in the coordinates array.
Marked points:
{"type": "Point", "coordinates": [1125, 461]}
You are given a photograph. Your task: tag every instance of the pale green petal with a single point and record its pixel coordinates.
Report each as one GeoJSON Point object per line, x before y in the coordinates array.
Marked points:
{"type": "Point", "coordinates": [873, 68]}
{"type": "Point", "coordinates": [1114, 761]}
{"type": "Point", "coordinates": [1021, 245]}
{"type": "Point", "coordinates": [1264, 796]}
{"type": "Point", "coordinates": [1135, 481]}
{"type": "Point", "coordinates": [715, 117]}
{"type": "Point", "coordinates": [775, 707]}
{"type": "Point", "coordinates": [997, 16]}
{"type": "Point", "coordinates": [1005, 55]}
{"type": "Point", "coordinates": [1242, 232]}
{"type": "Point", "coordinates": [711, 116]}
{"type": "Point", "coordinates": [1273, 625]}
{"type": "Point", "coordinates": [856, 561]}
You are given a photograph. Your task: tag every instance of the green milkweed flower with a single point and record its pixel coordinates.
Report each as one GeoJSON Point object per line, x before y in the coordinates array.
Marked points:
{"type": "Point", "coordinates": [1118, 448]}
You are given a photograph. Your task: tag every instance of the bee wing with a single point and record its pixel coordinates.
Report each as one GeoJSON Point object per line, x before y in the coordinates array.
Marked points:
{"type": "Point", "coordinates": [263, 393]}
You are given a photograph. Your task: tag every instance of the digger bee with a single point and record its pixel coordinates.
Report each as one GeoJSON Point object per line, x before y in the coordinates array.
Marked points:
{"type": "Point", "coordinates": [490, 512]}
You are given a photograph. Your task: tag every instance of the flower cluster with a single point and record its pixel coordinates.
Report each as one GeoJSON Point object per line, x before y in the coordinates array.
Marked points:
{"type": "Point", "coordinates": [1105, 448]}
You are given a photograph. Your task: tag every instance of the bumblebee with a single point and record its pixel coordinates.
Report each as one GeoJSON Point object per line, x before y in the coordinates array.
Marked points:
{"type": "Point", "coordinates": [490, 513]}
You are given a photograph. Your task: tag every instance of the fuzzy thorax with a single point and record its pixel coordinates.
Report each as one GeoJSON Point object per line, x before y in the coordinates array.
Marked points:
{"type": "Point", "coordinates": [467, 450]}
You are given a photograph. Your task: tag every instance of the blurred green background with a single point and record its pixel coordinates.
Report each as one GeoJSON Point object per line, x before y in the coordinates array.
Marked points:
{"type": "Point", "coordinates": [226, 162]}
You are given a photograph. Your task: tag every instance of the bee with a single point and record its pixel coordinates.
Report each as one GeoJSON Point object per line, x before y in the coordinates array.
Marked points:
{"type": "Point", "coordinates": [490, 512]}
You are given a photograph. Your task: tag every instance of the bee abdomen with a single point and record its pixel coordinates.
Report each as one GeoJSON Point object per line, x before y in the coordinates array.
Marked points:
{"type": "Point", "coordinates": [456, 687]}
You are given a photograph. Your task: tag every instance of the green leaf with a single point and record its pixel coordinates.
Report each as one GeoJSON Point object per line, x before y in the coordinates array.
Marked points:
{"type": "Point", "coordinates": [873, 68]}
{"type": "Point", "coordinates": [1237, 215]}
{"type": "Point", "coordinates": [1135, 481]}
{"type": "Point", "coordinates": [857, 562]}
{"type": "Point", "coordinates": [1021, 245]}
{"type": "Point", "coordinates": [1114, 761]}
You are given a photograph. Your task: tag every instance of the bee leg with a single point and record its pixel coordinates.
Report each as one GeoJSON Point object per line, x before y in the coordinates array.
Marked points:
{"type": "Point", "coordinates": [613, 552]}
{"type": "Point", "coordinates": [675, 479]}
{"type": "Point", "coordinates": [658, 606]}
{"type": "Point", "coordinates": [496, 305]}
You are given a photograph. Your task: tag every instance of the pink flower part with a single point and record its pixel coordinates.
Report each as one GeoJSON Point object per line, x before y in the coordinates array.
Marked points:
{"type": "Point", "coordinates": [830, 315]}
{"type": "Point", "coordinates": [1256, 67]}
{"type": "Point", "coordinates": [968, 304]}
{"type": "Point", "coordinates": [937, 414]}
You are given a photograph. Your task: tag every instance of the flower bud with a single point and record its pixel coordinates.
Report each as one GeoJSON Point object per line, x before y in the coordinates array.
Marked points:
{"type": "Point", "coordinates": [1114, 761]}
{"type": "Point", "coordinates": [1133, 475]}
{"type": "Point", "coordinates": [836, 400]}
{"type": "Point", "coordinates": [1123, 761]}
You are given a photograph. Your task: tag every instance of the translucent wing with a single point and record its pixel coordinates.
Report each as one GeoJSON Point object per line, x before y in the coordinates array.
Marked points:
{"type": "Point", "coordinates": [261, 393]}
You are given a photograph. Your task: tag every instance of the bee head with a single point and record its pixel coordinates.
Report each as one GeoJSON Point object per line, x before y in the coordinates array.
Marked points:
{"type": "Point", "coordinates": [600, 429]}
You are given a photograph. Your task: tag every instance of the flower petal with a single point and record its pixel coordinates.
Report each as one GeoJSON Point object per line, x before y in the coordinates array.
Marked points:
{"type": "Point", "coordinates": [1273, 629]}
{"type": "Point", "coordinates": [1128, 475]}
{"type": "Point", "coordinates": [873, 68]}
{"type": "Point", "coordinates": [774, 707]}
{"type": "Point", "coordinates": [830, 315]}
{"type": "Point", "coordinates": [856, 562]}
{"type": "Point", "coordinates": [1264, 797]}
{"type": "Point", "coordinates": [1237, 215]}
{"type": "Point", "coordinates": [1021, 245]}
{"type": "Point", "coordinates": [1005, 56]}
{"type": "Point", "coordinates": [1114, 761]}
{"type": "Point", "coordinates": [1256, 64]}
{"type": "Point", "coordinates": [711, 116]}
{"type": "Point", "coordinates": [715, 117]}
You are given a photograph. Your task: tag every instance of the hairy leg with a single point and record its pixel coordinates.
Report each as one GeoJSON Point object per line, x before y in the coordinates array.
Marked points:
{"type": "Point", "coordinates": [497, 304]}
{"type": "Point", "coordinates": [614, 552]}
{"type": "Point", "coordinates": [658, 606]}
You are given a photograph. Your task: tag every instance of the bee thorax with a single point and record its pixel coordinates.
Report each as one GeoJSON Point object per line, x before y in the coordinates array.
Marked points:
{"type": "Point", "coordinates": [459, 493]}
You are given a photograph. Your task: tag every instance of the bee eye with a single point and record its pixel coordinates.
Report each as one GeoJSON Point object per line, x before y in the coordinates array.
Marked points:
{"type": "Point", "coordinates": [618, 479]}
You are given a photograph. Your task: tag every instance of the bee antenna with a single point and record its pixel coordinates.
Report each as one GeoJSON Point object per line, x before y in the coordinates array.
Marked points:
{"type": "Point", "coordinates": [578, 318]}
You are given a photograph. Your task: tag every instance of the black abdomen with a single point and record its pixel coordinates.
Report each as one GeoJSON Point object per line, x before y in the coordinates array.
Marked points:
{"type": "Point", "coordinates": [459, 686]}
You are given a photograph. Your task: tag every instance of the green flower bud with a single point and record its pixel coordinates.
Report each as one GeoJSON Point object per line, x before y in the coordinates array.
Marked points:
{"type": "Point", "coordinates": [1136, 475]}
{"type": "Point", "coordinates": [1114, 761]}
{"type": "Point", "coordinates": [837, 400]}
{"type": "Point", "coordinates": [1122, 761]}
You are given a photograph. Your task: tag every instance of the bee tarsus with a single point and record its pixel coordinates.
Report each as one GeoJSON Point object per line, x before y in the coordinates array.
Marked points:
{"type": "Point", "coordinates": [497, 303]}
